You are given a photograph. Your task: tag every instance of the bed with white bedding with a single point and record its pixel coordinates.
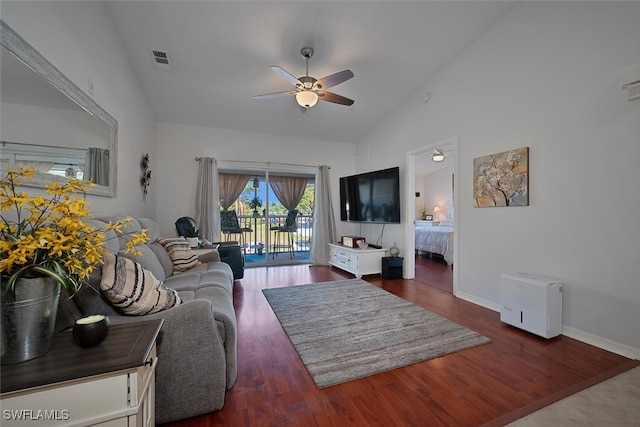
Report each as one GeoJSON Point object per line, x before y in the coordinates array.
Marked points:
{"type": "Point", "coordinates": [437, 240]}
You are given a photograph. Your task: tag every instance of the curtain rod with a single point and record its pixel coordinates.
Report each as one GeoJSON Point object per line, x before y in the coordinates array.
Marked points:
{"type": "Point", "coordinates": [263, 163]}
{"type": "Point", "coordinates": [4, 143]}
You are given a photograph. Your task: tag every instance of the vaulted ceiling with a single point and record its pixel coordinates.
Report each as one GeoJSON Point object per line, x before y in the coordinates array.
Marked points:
{"type": "Point", "coordinates": [221, 52]}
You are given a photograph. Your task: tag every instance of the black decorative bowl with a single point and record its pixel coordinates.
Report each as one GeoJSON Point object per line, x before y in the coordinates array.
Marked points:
{"type": "Point", "coordinates": [90, 331]}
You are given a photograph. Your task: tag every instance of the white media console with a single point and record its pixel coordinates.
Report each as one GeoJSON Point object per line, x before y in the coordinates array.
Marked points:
{"type": "Point", "coordinates": [356, 261]}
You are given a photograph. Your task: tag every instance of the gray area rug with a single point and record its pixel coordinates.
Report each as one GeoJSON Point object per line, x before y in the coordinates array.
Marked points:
{"type": "Point", "coordinates": [349, 329]}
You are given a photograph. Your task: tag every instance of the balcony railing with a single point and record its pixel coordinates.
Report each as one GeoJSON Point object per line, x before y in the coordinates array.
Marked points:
{"type": "Point", "coordinates": [262, 237]}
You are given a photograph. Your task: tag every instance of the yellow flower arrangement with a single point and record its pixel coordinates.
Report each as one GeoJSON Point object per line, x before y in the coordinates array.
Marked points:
{"type": "Point", "coordinates": [423, 210]}
{"type": "Point", "coordinates": [42, 236]}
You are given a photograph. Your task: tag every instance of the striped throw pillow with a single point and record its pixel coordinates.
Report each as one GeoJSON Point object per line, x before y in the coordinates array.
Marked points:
{"type": "Point", "coordinates": [180, 252]}
{"type": "Point", "coordinates": [133, 289]}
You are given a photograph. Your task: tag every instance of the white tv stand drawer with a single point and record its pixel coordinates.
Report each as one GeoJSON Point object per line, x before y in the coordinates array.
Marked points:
{"type": "Point", "coordinates": [356, 261]}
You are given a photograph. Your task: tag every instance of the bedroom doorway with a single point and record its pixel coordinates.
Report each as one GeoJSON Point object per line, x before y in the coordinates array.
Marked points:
{"type": "Point", "coordinates": [418, 163]}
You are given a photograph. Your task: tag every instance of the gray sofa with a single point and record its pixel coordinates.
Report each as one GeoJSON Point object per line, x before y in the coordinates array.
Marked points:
{"type": "Point", "coordinates": [198, 342]}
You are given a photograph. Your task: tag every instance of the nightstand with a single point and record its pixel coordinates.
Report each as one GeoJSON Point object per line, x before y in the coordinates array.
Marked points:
{"type": "Point", "coordinates": [423, 223]}
{"type": "Point", "coordinates": [112, 383]}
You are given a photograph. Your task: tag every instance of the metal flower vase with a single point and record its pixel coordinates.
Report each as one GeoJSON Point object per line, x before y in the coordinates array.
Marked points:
{"type": "Point", "coordinates": [28, 319]}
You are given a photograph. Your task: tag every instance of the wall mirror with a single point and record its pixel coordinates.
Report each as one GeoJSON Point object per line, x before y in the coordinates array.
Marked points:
{"type": "Point", "coordinates": [49, 123]}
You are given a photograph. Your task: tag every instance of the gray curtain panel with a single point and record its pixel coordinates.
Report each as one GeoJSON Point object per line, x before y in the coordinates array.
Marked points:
{"type": "Point", "coordinates": [324, 223]}
{"type": "Point", "coordinates": [97, 166]}
{"type": "Point", "coordinates": [208, 199]}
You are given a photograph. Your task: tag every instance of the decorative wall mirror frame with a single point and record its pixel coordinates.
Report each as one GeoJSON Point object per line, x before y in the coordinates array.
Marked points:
{"type": "Point", "coordinates": [97, 129]}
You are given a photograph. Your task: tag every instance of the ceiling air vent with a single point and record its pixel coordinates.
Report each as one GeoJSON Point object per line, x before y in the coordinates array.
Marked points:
{"type": "Point", "coordinates": [161, 60]}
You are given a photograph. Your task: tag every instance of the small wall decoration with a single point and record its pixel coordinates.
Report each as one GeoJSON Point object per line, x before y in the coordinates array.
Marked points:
{"type": "Point", "coordinates": [502, 179]}
{"type": "Point", "coordinates": [145, 179]}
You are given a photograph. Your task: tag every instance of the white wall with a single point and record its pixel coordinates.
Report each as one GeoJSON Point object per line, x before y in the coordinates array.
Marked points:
{"type": "Point", "coordinates": [53, 126]}
{"type": "Point", "coordinates": [78, 39]}
{"type": "Point", "coordinates": [546, 76]}
{"type": "Point", "coordinates": [438, 192]}
{"type": "Point", "coordinates": [178, 145]}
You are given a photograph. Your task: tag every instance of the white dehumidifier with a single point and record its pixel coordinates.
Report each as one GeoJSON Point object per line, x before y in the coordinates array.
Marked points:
{"type": "Point", "coordinates": [532, 303]}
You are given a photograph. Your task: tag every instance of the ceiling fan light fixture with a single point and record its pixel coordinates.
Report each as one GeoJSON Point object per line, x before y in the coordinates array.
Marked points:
{"type": "Point", "coordinates": [307, 98]}
{"type": "Point", "coordinates": [438, 155]}
{"type": "Point", "coordinates": [309, 89]}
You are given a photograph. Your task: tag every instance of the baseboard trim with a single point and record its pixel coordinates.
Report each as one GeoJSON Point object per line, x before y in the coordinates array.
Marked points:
{"type": "Point", "coordinates": [478, 301]}
{"type": "Point", "coordinates": [600, 342]}
{"type": "Point", "coordinates": [568, 331]}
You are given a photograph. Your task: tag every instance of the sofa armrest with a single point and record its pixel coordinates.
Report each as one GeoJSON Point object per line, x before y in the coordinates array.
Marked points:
{"type": "Point", "coordinates": [191, 356]}
{"type": "Point", "coordinates": [211, 256]}
{"type": "Point", "coordinates": [231, 253]}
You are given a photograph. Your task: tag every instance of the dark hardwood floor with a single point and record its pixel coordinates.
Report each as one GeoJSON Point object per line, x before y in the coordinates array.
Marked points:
{"type": "Point", "coordinates": [433, 270]}
{"type": "Point", "coordinates": [491, 384]}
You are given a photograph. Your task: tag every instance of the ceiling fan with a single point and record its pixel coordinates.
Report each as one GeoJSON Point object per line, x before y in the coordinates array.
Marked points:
{"type": "Point", "coordinates": [308, 89]}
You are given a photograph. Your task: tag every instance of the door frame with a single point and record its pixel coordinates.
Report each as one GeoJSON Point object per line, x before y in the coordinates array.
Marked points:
{"type": "Point", "coordinates": [452, 145]}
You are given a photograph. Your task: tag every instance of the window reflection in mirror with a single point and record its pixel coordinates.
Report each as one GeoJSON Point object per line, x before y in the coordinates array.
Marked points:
{"type": "Point", "coordinates": [49, 123]}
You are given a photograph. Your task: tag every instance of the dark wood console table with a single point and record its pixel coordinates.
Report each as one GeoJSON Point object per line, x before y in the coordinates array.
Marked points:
{"type": "Point", "coordinates": [111, 382]}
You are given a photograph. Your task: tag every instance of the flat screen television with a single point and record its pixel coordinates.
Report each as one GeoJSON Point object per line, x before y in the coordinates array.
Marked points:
{"type": "Point", "coordinates": [371, 197]}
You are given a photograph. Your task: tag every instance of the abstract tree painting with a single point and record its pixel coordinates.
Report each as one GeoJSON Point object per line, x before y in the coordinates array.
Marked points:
{"type": "Point", "coordinates": [502, 179]}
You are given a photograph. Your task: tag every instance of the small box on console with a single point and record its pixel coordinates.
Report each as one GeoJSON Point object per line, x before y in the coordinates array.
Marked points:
{"type": "Point", "coordinates": [352, 241]}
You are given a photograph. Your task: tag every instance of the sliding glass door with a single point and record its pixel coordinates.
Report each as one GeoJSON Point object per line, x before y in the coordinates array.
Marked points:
{"type": "Point", "coordinates": [271, 195]}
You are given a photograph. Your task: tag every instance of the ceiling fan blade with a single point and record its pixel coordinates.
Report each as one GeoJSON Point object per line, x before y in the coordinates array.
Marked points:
{"type": "Point", "coordinates": [334, 79]}
{"type": "Point", "coordinates": [336, 99]}
{"type": "Point", "coordinates": [286, 75]}
{"type": "Point", "coordinates": [274, 94]}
